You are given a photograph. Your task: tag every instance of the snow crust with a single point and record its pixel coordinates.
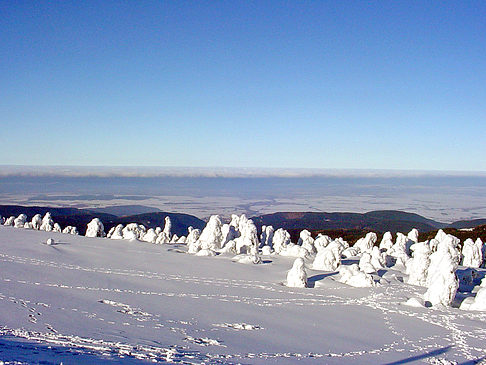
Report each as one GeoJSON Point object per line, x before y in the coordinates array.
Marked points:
{"type": "Point", "coordinates": [110, 301]}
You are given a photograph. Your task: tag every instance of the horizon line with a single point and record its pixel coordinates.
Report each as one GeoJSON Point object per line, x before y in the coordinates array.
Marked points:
{"type": "Point", "coordinates": [106, 171]}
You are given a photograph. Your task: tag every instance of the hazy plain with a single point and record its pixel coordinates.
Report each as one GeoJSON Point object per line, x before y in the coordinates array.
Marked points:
{"type": "Point", "coordinates": [445, 198]}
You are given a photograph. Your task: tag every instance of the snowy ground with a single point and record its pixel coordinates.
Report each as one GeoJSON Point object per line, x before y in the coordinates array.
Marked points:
{"type": "Point", "coordinates": [87, 300]}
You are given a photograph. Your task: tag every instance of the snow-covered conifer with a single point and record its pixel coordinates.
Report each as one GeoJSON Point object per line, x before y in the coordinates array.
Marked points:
{"type": "Point", "coordinates": [306, 241]}
{"type": "Point", "coordinates": [168, 227]}
{"type": "Point", "coordinates": [281, 238]}
{"type": "Point", "coordinates": [365, 244]}
{"type": "Point", "coordinates": [386, 242]}
{"type": "Point", "coordinates": [418, 266]}
{"type": "Point", "coordinates": [472, 254]}
{"type": "Point", "coordinates": [9, 221]}
{"type": "Point", "coordinates": [19, 222]}
{"type": "Point", "coordinates": [56, 228]}
{"type": "Point", "coordinates": [351, 275]}
{"type": "Point", "coordinates": [329, 257]}
{"type": "Point", "coordinates": [297, 276]}
{"type": "Point", "coordinates": [47, 223]}
{"type": "Point", "coordinates": [95, 228]}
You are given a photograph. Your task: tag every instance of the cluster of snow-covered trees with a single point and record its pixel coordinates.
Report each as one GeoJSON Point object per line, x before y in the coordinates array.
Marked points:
{"type": "Point", "coordinates": [431, 264]}
{"type": "Point", "coordinates": [138, 232]}
{"type": "Point", "coordinates": [39, 223]}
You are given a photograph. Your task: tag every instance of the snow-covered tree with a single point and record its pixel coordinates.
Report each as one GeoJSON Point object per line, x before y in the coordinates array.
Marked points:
{"type": "Point", "coordinates": [351, 275]}
{"type": "Point", "coordinates": [47, 223]}
{"type": "Point", "coordinates": [56, 228]}
{"type": "Point", "coordinates": [378, 258]}
{"type": "Point", "coordinates": [211, 237]}
{"type": "Point", "coordinates": [19, 222]}
{"type": "Point", "coordinates": [297, 276]}
{"type": "Point", "coordinates": [400, 250]}
{"type": "Point", "coordinates": [365, 244]}
{"type": "Point", "coordinates": [306, 241]}
{"type": "Point", "coordinates": [70, 230]}
{"type": "Point", "coordinates": [168, 227]}
{"type": "Point", "coordinates": [133, 231]}
{"type": "Point", "coordinates": [329, 257]}
{"type": "Point", "coordinates": [386, 242]}
{"type": "Point", "coordinates": [441, 280]}
{"type": "Point", "coordinates": [150, 236]}
{"type": "Point", "coordinates": [36, 221]}
{"type": "Point", "coordinates": [413, 235]}
{"type": "Point", "coordinates": [472, 253]}
{"type": "Point", "coordinates": [267, 236]}
{"type": "Point", "coordinates": [248, 236]}
{"type": "Point", "coordinates": [116, 232]}
{"type": "Point", "coordinates": [281, 238]}
{"type": "Point", "coordinates": [229, 233]}
{"type": "Point", "coordinates": [9, 221]}
{"type": "Point", "coordinates": [95, 228]}
{"type": "Point", "coordinates": [418, 266]}
{"type": "Point", "coordinates": [321, 242]}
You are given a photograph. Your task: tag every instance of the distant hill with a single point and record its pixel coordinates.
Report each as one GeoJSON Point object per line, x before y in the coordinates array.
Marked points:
{"type": "Point", "coordinates": [180, 222]}
{"type": "Point", "coordinates": [379, 221]}
{"type": "Point", "coordinates": [467, 223]}
{"type": "Point", "coordinates": [81, 217]}
{"type": "Point", "coordinates": [347, 225]}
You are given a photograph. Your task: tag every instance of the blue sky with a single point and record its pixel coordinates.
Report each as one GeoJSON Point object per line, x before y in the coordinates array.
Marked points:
{"type": "Point", "coordinates": [290, 84]}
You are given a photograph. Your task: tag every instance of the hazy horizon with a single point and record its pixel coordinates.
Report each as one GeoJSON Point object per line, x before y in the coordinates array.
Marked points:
{"type": "Point", "coordinates": [445, 198]}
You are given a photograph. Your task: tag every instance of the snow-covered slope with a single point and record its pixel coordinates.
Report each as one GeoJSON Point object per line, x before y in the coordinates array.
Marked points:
{"type": "Point", "coordinates": [95, 300]}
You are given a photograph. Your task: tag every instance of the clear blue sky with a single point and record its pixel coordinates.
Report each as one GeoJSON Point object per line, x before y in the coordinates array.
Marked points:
{"type": "Point", "coordinates": [324, 84]}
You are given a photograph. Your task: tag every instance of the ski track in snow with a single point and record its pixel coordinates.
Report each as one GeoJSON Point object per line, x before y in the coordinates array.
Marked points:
{"type": "Point", "coordinates": [380, 299]}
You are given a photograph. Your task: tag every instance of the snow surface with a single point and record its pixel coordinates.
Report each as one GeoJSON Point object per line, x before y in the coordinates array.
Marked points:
{"type": "Point", "coordinates": [99, 300]}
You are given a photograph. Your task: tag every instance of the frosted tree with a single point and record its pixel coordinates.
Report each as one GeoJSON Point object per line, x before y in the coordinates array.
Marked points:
{"type": "Point", "coordinates": [9, 221]}
{"type": "Point", "coordinates": [400, 249]}
{"type": "Point", "coordinates": [36, 221]}
{"type": "Point", "coordinates": [95, 228]}
{"type": "Point", "coordinates": [56, 228]}
{"type": "Point", "coordinates": [281, 239]}
{"type": "Point", "coordinates": [413, 235]}
{"type": "Point", "coordinates": [150, 236]}
{"type": "Point", "coordinates": [192, 235]}
{"type": "Point", "coordinates": [117, 233]}
{"type": "Point", "coordinates": [351, 275]}
{"type": "Point", "coordinates": [263, 236]}
{"type": "Point", "coordinates": [329, 257]}
{"type": "Point", "coordinates": [297, 276]}
{"type": "Point", "coordinates": [211, 237]}
{"type": "Point", "coordinates": [167, 227]}
{"type": "Point", "coordinates": [229, 233]}
{"type": "Point", "coordinates": [235, 221]}
{"type": "Point", "coordinates": [378, 259]}
{"type": "Point", "coordinates": [366, 243]}
{"type": "Point", "coordinates": [472, 254]}
{"type": "Point", "coordinates": [321, 242]}
{"type": "Point", "coordinates": [19, 222]}
{"type": "Point", "coordinates": [386, 242]}
{"type": "Point", "coordinates": [365, 264]}
{"type": "Point", "coordinates": [70, 230]}
{"type": "Point", "coordinates": [266, 236]}
{"type": "Point", "coordinates": [479, 303]}
{"type": "Point", "coordinates": [441, 280]}
{"type": "Point", "coordinates": [418, 266]}
{"type": "Point", "coordinates": [248, 237]}
{"type": "Point", "coordinates": [47, 223]}
{"type": "Point", "coordinates": [306, 241]}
